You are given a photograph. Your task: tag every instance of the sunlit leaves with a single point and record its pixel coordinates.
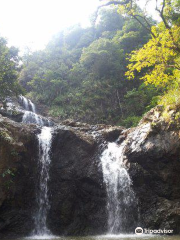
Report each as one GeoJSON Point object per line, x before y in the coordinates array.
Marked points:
{"type": "Point", "coordinates": [159, 57]}
{"type": "Point", "coordinates": [80, 74]}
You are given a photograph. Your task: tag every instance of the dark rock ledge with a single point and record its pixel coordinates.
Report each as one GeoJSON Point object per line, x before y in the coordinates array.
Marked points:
{"type": "Point", "coordinates": [76, 189]}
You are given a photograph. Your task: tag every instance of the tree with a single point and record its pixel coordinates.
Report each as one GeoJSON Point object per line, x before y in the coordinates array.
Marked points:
{"type": "Point", "coordinates": [80, 74]}
{"type": "Point", "coordinates": [9, 67]}
{"type": "Point", "coordinates": [159, 57]}
{"type": "Point", "coordinates": [110, 21]}
{"type": "Point", "coordinates": [167, 9]}
{"type": "Point", "coordinates": [130, 8]}
{"type": "Point", "coordinates": [103, 58]}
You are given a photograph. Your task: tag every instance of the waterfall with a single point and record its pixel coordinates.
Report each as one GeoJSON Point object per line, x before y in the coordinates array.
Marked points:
{"type": "Point", "coordinates": [120, 196]}
{"type": "Point", "coordinates": [27, 104]}
{"type": "Point", "coordinates": [44, 139]}
{"type": "Point", "coordinates": [24, 102]}
{"type": "Point", "coordinates": [32, 106]}
{"type": "Point", "coordinates": [30, 116]}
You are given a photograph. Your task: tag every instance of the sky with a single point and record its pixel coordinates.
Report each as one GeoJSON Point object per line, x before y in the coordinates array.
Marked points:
{"type": "Point", "coordinates": [32, 23]}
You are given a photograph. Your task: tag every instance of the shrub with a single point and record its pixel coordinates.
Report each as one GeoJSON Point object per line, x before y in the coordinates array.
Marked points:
{"type": "Point", "coordinates": [171, 98]}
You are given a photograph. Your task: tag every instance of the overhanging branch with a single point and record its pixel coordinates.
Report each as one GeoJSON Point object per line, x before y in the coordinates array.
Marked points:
{"type": "Point", "coordinates": [146, 25]}
{"type": "Point", "coordinates": [161, 13]}
{"type": "Point", "coordinates": [114, 3]}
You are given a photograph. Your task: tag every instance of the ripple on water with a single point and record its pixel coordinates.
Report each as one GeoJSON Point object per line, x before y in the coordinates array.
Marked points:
{"type": "Point", "coordinates": [44, 237]}
{"type": "Point", "coordinates": [105, 237]}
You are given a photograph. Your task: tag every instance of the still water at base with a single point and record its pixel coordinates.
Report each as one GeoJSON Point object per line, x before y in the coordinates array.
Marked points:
{"type": "Point", "coordinates": [106, 237]}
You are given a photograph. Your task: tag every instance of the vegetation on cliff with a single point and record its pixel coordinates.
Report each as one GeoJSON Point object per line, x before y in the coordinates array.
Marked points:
{"type": "Point", "coordinates": [159, 59]}
{"type": "Point", "coordinates": [9, 68]}
{"type": "Point", "coordinates": [83, 72]}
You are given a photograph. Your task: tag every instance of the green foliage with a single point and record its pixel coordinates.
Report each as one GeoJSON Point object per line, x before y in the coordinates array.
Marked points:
{"type": "Point", "coordinates": [8, 175]}
{"type": "Point", "coordinates": [160, 56]}
{"type": "Point", "coordinates": [109, 23]}
{"type": "Point", "coordinates": [14, 153]}
{"type": "Point", "coordinates": [8, 172]}
{"type": "Point", "coordinates": [103, 58]}
{"type": "Point", "coordinates": [131, 121]}
{"type": "Point", "coordinates": [138, 101]}
{"type": "Point", "coordinates": [159, 59]}
{"type": "Point", "coordinates": [171, 98]}
{"type": "Point", "coordinates": [9, 67]}
{"type": "Point", "coordinates": [80, 74]}
{"type": "Point", "coordinates": [5, 136]}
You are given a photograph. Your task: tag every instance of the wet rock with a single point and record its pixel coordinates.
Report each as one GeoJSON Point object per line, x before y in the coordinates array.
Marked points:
{"type": "Point", "coordinates": [12, 113]}
{"type": "Point", "coordinates": [78, 197]}
{"type": "Point", "coordinates": [111, 134]}
{"type": "Point", "coordinates": [18, 154]}
{"type": "Point", "coordinates": [154, 156]}
{"type": "Point", "coordinates": [76, 189]}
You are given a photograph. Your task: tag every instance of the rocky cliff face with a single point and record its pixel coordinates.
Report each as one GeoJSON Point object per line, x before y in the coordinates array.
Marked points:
{"type": "Point", "coordinates": [153, 157]}
{"type": "Point", "coordinates": [18, 155]}
{"type": "Point", "coordinates": [78, 193]}
{"type": "Point", "coordinates": [78, 197]}
{"type": "Point", "coordinates": [76, 189]}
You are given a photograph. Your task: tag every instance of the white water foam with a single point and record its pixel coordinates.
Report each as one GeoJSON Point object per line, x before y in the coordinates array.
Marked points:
{"type": "Point", "coordinates": [31, 117]}
{"type": "Point", "coordinates": [45, 237]}
{"type": "Point", "coordinates": [41, 230]}
{"type": "Point", "coordinates": [118, 186]}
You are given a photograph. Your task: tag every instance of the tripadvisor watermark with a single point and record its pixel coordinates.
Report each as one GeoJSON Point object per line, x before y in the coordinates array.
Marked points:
{"type": "Point", "coordinates": [140, 231]}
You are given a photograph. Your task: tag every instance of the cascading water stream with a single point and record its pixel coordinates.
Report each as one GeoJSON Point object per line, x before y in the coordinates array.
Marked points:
{"type": "Point", "coordinates": [32, 106]}
{"type": "Point", "coordinates": [25, 102]}
{"type": "Point", "coordinates": [44, 139]}
{"type": "Point", "coordinates": [120, 196]}
{"type": "Point", "coordinates": [30, 116]}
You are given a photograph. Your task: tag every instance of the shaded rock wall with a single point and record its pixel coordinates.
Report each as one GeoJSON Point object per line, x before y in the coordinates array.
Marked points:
{"type": "Point", "coordinates": [76, 189]}
{"type": "Point", "coordinates": [18, 155]}
{"type": "Point", "coordinates": [78, 197]}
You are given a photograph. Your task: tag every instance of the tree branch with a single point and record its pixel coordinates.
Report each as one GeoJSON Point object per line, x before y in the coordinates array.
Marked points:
{"type": "Point", "coordinates": [144, 18]}
{"type": "Point", "coordinates": [112, 3]}
{"type": "Point", "coordinates": [115, 3]}
{"type": "Point", "coordinates": [136, 16]}
{"type": "Point", "coordinates": [161, 12]}
{"type": "Point", "coordinates": [118, 2]}
{"type": "Point", "coordinates": [174, 66]}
